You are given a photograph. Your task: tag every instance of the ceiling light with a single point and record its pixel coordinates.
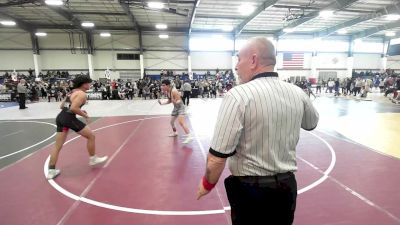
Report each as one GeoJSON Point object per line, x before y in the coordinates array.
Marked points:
{"type": "Point", "coordinates": [246, 9]}
{"type": "Point", "coordinates": [105, 34]}
{"type": "Point", "coordinates": [227, 28]}
{"type": "Point", "coordinates": [161, 26]}
{"type": "Point", "coordinates": [87, 24]}
{"type": "Point", "coordinates": [54, 2]}
{"type": "Point", "coordinates": [8, 23]}
{"type": "Point", "coordinates": [163, 36]}
{"type": "Point", "coordinates": [326, 13]}
{"type": "Point", "coordinates": [288, 30]}
{"type": "Point", "coordinates": [390, 34]}
{"type": "Point", "coordinates": [156, 5]}
{"type": "Point", "coordinates": [392, 17]}
{"type": "Point", "coordinates": [41, 34]}
{"type": "Point", "coordinates": [342, 31]}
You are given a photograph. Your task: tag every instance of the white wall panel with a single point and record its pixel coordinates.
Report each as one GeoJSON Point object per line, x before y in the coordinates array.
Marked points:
{"type": "Point", "coordinates": [118, 41]}
{"type": "Point", "coordinates": [173, 42]}
{"type": "Point", "coordinates": [63, 60]}
{"type": "Point", "coordinates": [15, 40]}
{"type": "Point", "coordinates": [332, 60]}
{"type": "Point", "coordinates": [367, 61]}
{"type": "Point", "coordinates": [393, 62]}
{"type": "Point", "coordinates": [61, 40]}
{"type": "Point", "coordinates": [19, 60]}
{"type": "Point", "coordinates": [165, 60]}
{"type": "Point", "coordinates": [211, 60]}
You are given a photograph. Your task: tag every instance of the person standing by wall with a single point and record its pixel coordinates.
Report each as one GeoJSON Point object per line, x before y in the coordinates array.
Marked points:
{"type": "Point", "coordinates": [187, 90]}
{"type": "Point", "coordinates": [22, 91]}
{"type": "Point", "coordinates": [258, 127]}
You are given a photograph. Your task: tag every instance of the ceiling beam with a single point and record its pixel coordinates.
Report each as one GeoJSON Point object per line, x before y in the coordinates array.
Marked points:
{"type": "Point", "coordinates": [128, 12]}
{"type": "Point", "coordinates": [73, 27]}
{"type": "Point", "coordinates": [98, 13]}
{"type": "Point", "coordinates": [257, 12]}
{"type": "Point", "coordinates": [64, 12]}
{"type": "Point", "coordinates": [391, 9]}
{"type": "Point", "coordinates": [227, 17]}
{"type": "Point", "coordinates": [195, 5]}
{"type": "Point", "coordinates": [317, 8]}
{"type": "Point", "coordinates": [374, 30]}
{"type": "Point", "coordinates": [163, 1]}
{"type": "Point", "coordinates": [336, 5]}
{"type": "Point", "coordinates": [17, 3]}
{"type": "Point", "coordinates": [173, 11]}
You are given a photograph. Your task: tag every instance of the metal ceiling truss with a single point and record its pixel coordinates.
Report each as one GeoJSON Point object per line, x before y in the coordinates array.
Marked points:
{"type": "Point", "coordinates": [31, 29]}
{"type": "Point", "coordinates": [391, 9]}
{"type": "Point", "coordinates": [128, 12]}
{"type": "Point", "coordinates": [142, 5]}
{"type": "Point", "coordinates": [196, 4]}
{"type": "Point", "coordinates": [98, 13]}
{"type": "Point", "coordinates": [257, 12]}
{"type": "Point", "coordinates": [336, 5]}
{"type": "Point", "coordinates": [18, 3]}
{"type": "Point", "coordinates": [374, 30]}
{"type": "Point", "coordinates": [76, 23]}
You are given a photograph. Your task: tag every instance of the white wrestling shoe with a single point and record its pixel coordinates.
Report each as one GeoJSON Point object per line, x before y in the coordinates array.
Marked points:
{"type": "Point", "coordinates": [53, 173]}
{"type": "Point", "coordinates": [95, 160]}
{"type": "Point", "coordinates": [188, 139]}
{"type": "Point", "coordinates": [174, 134]}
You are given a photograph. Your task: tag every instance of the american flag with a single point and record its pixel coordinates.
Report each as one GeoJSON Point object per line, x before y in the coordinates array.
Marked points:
{"type": "Point", "coordinates": [293, 60]}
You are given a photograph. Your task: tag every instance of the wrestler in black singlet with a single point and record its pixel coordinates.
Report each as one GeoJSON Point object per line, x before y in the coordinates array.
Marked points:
{"type": "Point", "coordinates": [66, 119]}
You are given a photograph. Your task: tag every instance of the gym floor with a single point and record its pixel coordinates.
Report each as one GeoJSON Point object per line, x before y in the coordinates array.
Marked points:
{"type": "Point", "coordinates": [347, 166]}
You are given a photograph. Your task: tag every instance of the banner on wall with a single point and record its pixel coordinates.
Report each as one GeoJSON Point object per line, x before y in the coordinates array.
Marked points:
{"type": "Point", "coordinates": [107, 74]}
{"type": "Point", "coordinates": [293, 60]}
{"type": "Point", "coordinates": [14, 75]}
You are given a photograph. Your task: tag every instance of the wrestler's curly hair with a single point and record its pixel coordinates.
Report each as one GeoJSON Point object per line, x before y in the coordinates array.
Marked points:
{"type": "Point", "coordinates": [166, 82]}
{"type": "Point", "coordinates": [79, 80]}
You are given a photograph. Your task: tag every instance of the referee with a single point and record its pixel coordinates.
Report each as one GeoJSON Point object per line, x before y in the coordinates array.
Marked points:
{"type": "Point", "coordinates": [22, 91]}
{"type": "Point", "coordinates": [187, 90]}
{"type": "Point", "coordinates": [258, 128]}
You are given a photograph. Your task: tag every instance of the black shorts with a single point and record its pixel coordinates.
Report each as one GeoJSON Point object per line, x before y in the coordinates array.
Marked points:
{"type": "Point", "coordinates": [66, 121]}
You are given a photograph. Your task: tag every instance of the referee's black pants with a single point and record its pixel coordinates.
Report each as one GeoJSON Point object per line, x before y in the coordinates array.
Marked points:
{"type": "Point", "coordinates": [262, 200]}
{"type": "Point", "coordinates": [22, 99]}
{"type": "Point", "coordinates": [186, 97]}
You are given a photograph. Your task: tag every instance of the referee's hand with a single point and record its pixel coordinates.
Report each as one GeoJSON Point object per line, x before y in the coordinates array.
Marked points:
{"type": "Point", "coordinates": [201, 190]}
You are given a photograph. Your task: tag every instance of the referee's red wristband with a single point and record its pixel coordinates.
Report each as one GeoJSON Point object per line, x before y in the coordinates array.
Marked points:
{"type": "Point", "coordinates": [207, 185]}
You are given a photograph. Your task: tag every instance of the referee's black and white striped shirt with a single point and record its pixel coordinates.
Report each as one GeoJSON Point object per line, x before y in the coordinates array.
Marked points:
{"type": "Point", "coordinates": [258, 126]}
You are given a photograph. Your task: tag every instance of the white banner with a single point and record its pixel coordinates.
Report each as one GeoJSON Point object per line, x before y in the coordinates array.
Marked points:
{"type": "Point", "coordinates": [107, 74]}
{"type": "Point", "coordinates": [14, 76]}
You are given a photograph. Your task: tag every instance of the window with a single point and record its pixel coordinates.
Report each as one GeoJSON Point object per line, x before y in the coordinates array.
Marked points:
{"type": "Point", "coordinates": [124, 56]}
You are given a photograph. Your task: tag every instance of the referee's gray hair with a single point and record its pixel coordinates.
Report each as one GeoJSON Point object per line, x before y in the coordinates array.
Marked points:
{"type": "Point", "coordinates": [265, 50]}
